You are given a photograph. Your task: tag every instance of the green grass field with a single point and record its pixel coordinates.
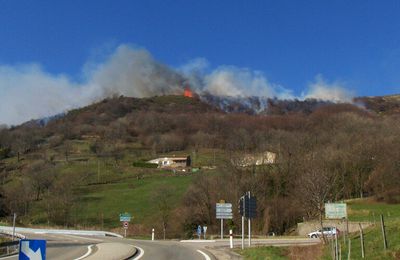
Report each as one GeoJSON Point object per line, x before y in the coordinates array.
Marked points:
{"type": "Point", "coordinates": [105, 202]}
{"type": "Point", "coordinates": [365, 210]}
{"type": "Point", "coordinates": [264, 253]}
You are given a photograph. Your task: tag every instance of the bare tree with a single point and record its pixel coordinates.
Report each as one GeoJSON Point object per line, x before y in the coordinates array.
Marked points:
{"type": "Point", "coordinates": [163, 198]}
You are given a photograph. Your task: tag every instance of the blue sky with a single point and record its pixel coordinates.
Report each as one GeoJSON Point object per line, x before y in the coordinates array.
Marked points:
{"type": "Point", "coordinates": [290, 42]}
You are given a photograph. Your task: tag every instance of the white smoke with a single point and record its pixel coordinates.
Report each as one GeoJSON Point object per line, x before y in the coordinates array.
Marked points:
{"type": "Point", "coordinates": [232, 81]}
{"type": "Point", "coordinates": [322, 90]}
{"type": "Point", "coordinates": [28, 92]}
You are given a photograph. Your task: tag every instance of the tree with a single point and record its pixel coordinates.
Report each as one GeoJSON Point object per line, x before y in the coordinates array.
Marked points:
{"type": "Point", "coordinates": [3, 208]}
{"type": "Point", "coordinates": [40, 176]}
{"type": "Point", "coordinates": [163, 198]}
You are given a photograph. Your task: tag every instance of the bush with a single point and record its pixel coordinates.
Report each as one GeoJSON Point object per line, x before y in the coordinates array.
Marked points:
{"type": "Point", "coordinates": [4, 153]}
{"type": "Point", "coordinates": [142, 164]}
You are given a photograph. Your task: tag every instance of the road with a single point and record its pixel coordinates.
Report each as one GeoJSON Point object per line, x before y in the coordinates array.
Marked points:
{"type": "Point", "coordinates": [67, 246]}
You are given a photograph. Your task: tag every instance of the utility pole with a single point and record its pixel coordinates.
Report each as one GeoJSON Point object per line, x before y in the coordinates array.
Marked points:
{"type": "Point", "coordinates": [249, 221]}
{"type": "Point", "coordinates": [222, 228]}
{"type": "Point", "coordinates": [13, 234]}
{"type": "Point", "coordinates": [244, 213]}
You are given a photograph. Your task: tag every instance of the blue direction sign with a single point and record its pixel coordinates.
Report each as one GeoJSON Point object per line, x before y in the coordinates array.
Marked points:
{"type": "Point", "coordinates": [199, 230]}
{"type": "Point", "coordinates": [125, 217]}
{"type": "Point", "coordinates": [32, 249]}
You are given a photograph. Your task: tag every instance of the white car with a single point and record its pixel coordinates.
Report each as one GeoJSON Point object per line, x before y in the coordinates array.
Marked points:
{"type": "Point", "coordinates": [327, 231]}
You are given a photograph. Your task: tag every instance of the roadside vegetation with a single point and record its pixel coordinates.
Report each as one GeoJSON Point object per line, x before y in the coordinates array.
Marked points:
{"type": "Point", "coordinates": [365, 210]}
{"type": "Point", "coordinates": [282, 253]}
{"type": "Point", "coordinates": [84, 168]}
{"type": "Point", "coordinates": [368, 210]}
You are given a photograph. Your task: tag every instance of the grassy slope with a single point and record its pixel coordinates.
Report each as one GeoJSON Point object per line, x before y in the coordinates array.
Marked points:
{"type": "Point", "coordinates": [133, 196]}
{"type": "Point", "coordinates": [264, 253]}
{"type": "Point", "coordinates": [119, 190]}
{"type": "Point", "coordinates": [358, 210]}
{"type": "Point", "coordinates": [365, 210]}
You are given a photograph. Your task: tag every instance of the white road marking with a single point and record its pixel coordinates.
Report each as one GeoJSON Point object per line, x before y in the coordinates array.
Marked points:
{"type": "Point", "coordinates": [87, 253]}
{"type": "Point", "coordinates": [197, 241]}
{"type": "Point", "coordinates": [140, 255]}
{"type": "Point", "coordinates": [204, 254]}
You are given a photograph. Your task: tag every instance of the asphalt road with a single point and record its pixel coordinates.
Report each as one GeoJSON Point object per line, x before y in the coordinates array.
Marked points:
{"type": "Point", "coordinates": [67, 247]}
{"type": "Point", "coordinates": [167, 250]}
{"type": "Point", "coordinates": [64, 246]}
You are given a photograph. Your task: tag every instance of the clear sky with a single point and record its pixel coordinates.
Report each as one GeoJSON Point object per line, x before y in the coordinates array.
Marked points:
{"type": "Point", "coordinates": [291, 42]}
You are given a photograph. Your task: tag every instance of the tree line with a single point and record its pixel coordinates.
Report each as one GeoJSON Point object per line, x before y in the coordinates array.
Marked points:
{"type": "Point", "coordinates": [333, 153]}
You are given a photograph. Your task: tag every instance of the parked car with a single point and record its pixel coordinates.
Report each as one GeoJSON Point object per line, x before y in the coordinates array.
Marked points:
{"type": "Point", "coordinates": [327, 231]}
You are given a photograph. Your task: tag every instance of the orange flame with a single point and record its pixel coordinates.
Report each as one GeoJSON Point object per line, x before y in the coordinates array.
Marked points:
{"type": "Point", "coordinates": [188, 92]}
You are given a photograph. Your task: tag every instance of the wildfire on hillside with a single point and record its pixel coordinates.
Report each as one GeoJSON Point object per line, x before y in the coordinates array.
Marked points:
{"type": "Point", "coordinates": [188, 92]}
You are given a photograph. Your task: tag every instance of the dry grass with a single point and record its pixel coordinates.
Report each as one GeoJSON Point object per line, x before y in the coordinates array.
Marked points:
{"type": "Point", "coordinates": [305, 252]}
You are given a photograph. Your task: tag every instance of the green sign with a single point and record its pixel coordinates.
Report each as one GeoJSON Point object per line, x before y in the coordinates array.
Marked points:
{"type": "Point", "coordinates": [335, 210]}
{"type": "Point", "coordinates": [125, 217]}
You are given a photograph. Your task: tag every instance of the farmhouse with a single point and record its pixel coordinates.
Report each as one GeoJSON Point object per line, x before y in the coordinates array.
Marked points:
{"type": "Point", "coordinates": [255, 159]}
{"type": "Point", "coordinates": [172, 162]}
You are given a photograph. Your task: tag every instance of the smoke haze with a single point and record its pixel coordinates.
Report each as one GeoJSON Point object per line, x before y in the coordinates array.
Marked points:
{"type": "Point", "coordinates": [28, 92]}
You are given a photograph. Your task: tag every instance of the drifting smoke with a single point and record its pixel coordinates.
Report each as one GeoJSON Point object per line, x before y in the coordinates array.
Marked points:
{"type": "Point", "coordinates": [28, 92]}
{"type": "Point", "coordinates": [322, 90]}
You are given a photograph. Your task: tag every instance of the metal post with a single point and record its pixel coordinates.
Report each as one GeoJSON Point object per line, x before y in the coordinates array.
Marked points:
{"type": "Point", "coordinates": [13, 234]}
{"type": "Point", "coordinates": [124, 232]}
{"type": "Point", "coordinates": [242, 232]}
{"type": "Point", "coordinates": [222, 228]}
{"type": "Point", "coordinates": [244, 214]}
{"type": "Point", "coordinates": [249, 222]}
{"type": "Point", "coordinates": [383, 233]}
{"type": "Point", "coordinates": [349, 253]}
{"type": "Point", "coordinates": [362, 241]}
{"type": "Point", "coordinates": [152, 234]}
{"type": "Point", "coordinates": [336, 247]}
{"type": "Point", "coordinates": [231, 238]}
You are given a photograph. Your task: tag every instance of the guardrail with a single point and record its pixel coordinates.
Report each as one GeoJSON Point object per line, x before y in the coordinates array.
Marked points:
{"type": "Point", "coordinates": [9, 248]}
{"type": "Point", "coordinates": [4, 229]}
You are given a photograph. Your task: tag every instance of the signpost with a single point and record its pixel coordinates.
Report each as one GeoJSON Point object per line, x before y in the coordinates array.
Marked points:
{"type": "Point", "coordinates": [223, 211]}
{"type": "Point", "coordinates": [248, 209]}
{"type": "Point", "coordinates": [32, 249]}
{"type": "Point", "coordinates": [335, 210]}
{"type": "Point", "coordinates": [125, 218]}
{"type": "Point", "coordinates": [199, 231]}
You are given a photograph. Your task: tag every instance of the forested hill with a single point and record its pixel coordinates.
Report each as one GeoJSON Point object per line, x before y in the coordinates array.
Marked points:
{"type": "Point", "coordinates": [348, 151]}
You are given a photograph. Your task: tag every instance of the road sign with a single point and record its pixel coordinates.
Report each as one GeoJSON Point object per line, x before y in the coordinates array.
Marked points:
{"type": "Point", "coordinates": [32, 249]}
{"type": "Point", "coordinates": [335, 210]}
{"type": "Point", "coordinates": [248, 206]}
{"type": "Point", "coordinates": [125, 217]}
{"type": "Point", "coordinates": [224, 217]}
{"type": "Point", "coordinates": [224, 211]}
{"type": "Point", "coordinates": [199, 231]}
{"type": "Point", "coordinates": [126, 224]}
{"type": "Point", "coordinates": [224, 205]}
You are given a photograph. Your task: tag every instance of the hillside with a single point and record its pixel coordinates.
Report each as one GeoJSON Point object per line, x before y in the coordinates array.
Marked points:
{"type": "Point", "coordinates": [87, 166]}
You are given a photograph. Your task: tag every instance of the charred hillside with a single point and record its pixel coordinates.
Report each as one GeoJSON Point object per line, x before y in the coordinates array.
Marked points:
{"type": "Point", "coordinates": [347, 150]}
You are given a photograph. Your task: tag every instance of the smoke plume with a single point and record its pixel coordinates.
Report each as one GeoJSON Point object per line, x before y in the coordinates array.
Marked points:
{"type": "Point", "coordinates": [29, 92]}
{"type": "Point", "coordinates": [322, 90]}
